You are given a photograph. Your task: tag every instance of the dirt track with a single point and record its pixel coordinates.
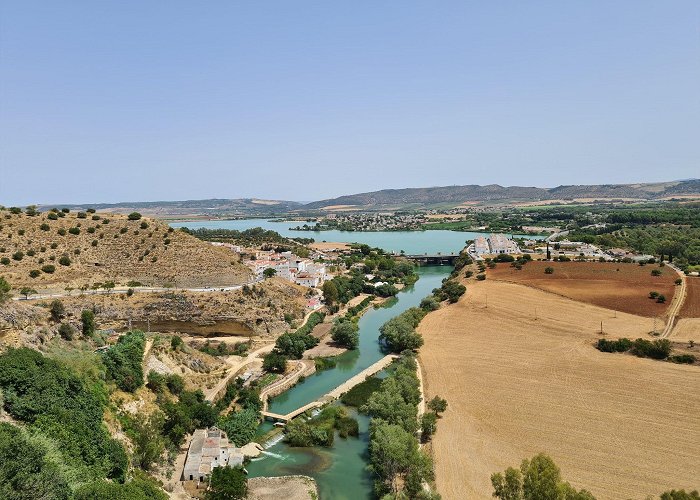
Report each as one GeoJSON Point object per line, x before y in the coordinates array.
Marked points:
{"type": "Point", "coordinates": [620, 426]}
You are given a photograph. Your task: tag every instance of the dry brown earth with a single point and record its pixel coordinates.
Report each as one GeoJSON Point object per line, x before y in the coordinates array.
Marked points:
{"type": "Point", "coordinates": [521, 382]}
{"type": "Point", "coordinates": [691, 305]}
{"type": "Point", "coordinates": [619, 286]}
{"type": "Point", "coordinates": [119, 251]}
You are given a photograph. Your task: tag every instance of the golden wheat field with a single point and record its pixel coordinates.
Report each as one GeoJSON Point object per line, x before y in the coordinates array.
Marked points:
{"type": "Point", "coordinates": [522, 376]}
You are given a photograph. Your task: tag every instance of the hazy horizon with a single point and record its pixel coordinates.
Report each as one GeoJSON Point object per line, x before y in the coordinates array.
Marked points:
{"type": "Point", "coordinates": [126, 101]}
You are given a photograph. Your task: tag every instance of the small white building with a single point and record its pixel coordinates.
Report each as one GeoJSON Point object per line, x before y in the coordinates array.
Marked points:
{"type": "Point", "coordinates": [209, 448]}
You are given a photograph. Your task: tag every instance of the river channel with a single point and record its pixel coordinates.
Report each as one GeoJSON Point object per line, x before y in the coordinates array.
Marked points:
{"type": "Point", "coordinates": [340, 471]}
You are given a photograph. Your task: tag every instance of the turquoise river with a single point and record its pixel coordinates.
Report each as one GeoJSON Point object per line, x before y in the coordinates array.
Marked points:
{"type": "Point", "coordinates": [340, 471]}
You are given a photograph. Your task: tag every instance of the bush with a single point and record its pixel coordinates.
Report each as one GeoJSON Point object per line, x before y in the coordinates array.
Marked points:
{"type": "Point", "coordinates": [548, 270]}
{"type": "Point", "coordinates": [679, 281]}
{"type": "Point", "coordinates": [683, 358]}
{"type": "Point", "coordinates": [656, 349]}
{"type": "Point", "coordinates": [176, 343]}
{"type": "Point", "coordinates": [240, 427]}
{"type": "Point", "coordinates": [227, 483]}
{"type": "Point", "coordinates": [74, 230]}
{"type": "Point", "coordinates": [34, 273]}
{"type": "Point", "coordinates": [66, 331]}
{"type": "Point", "coordinates": [81, 215]}
{"type": "Point", "coordinates": [5, 261]}
{"type": "Point", "coordinates": [430, 304]}
{"type": "Point", "coordinates": [481, 277]}
{"type": "Point", "coordinates": [61, 232]}
{"type": "Point", "coordinates": [656, 272]}
{"type": "Point", "coordinates": [123, 361]}
{"type": "Point", "coordinates": [64, 260]}
{"type": "Point", "coordinates": [346, 333]}
{"type": "Point", "coordinates": [653, 295]}
{"type": "Point", "coordinates": [57, 310]}
{"type": "Point", "coordinates": [358, 395]}
{"type": "Point", "coordinates": [620, 345]}
{"type": "Point", "coordinates": [134, 216]}
{"type": "Point", "coordinates": [44, 227]}
{"type": "Point", "coordinates": [48, 268]}
{"type": "Point", "coordinates": [661, 299]}
{"type": "Point", "coordinates": [87, 318]}
{"type": "Point", "coordinates": [144, 225]}
{"type": "Point", "coordinates": [275, 362]}
{"type": "Point", "coordinates": [18, 255]}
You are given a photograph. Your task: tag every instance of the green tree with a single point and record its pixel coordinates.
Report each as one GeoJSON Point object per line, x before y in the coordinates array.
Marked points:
{"type": "Point", "coordinates": [240, 426]}
{"type": "Point", "coordinates": [134, 216]}
{"type": "Point", "coordinates": [27, 291]}
{"type": "Point", "coordinates": [438, 405]}
{"type": "Point", "coordinates": [346, 333]}
{"type": "Point", "coordinates": [4, 290]}
{"type": "Point", "coordinates": [145, 432]}
{"type": "Point", "coordinates": [227, 483]}
{"type": "Point", "coordinates": [537, 479]}
{"type": "Point", "coordinates": [87, 318]}
{"type": "Point", "coordinates": [680, 495]}
{"type": "Point", "coordinates": [66, 331]}
{"type": "Point", "coordinates": [330, 293]}
{"type": "Point", "coordinates": [428, 425]}
{"type": "Point", "coordinates": [57, 310]}
{"type": "Point", "coordinates": [275, 362]}
{"type": "Point", "coordinates": [269, 272]}
{"type": "Point", "coordinates": [176, 343]}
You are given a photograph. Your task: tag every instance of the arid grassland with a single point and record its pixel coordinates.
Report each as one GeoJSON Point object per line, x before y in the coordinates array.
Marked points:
{"type": "Point", "coordinates": [47, 251]}
{"type": "Point", "coordinates": [618, 286]}
{"type": "Point", "coordinates": [522, 377]}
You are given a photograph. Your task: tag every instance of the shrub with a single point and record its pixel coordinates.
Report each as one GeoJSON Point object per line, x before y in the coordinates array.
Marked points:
{"type": "Point", "coordinates": [87, 318]}
{"type": "Point", "coordinates": [144, 225]}
{"type": "Point", "coordinates": [44, 227]}
{"type": "Point", "coordinates": [34, 273]}
{"type": "Point", "coordinates": [661, 299]}
{"type": "Point", "coordinates": [679, 281]}
{"type": "Point", "coordinates": [57, 310]}
{"type": "Point", "coordinates": [19, 255]}
{"type": "Point", "coordinates": [66, 331]}
{"type": "Point", "coordinates": [48, 268]}
{"type": "Point", "coordinates": [653, 295]}
{"type": "Point", "coordinates": [227, 483]}
{"type": "Point", "coordinates": [656, 349]}
{"type": "Point", "coordinates": [82, 215]}
{"type": "Point", "coordinates": [64, 260]}
{"type": "Point", "coordinates": [683, 358]}
{"type": "Point", "coordinates": [620, 345]}
{"type": "Point", "coordinates": [52, 216]}
{"type": "Point", "coordinates": [62, 232]}
{"type": "Point", "coordinates": [346, 333]}
{"type": "Point", "coordinates": [123, 361]}
{"type": "Point", "coordinates": [656, 272]}
{"type": "Point", "coordinates": [469, 274]}
{"type": "Point", "coordinates": [275, 362]}
{"type": "Point", "coordinates": [430, 303]}
{"type": "Point", "coordinates": [91, 210]}
{"type": "Point", "coordinates": [54, 246]}
{"type": "Point", "coordinates": [176, 343]}
{"type": "Point", "coordinates": [134, 216]}
{"type": "Point", "coordinates": [123, 230]}
{"type": "Point", "coordinates": [548, 270]}
{"type": "Point", "coordinates": [5, 261]}
{"type": "Point", "coordinates": [481, 277]}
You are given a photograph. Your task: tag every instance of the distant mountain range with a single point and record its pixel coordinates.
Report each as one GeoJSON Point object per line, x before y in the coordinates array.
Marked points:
{"type": "Point", "coordinates": [493, 193]}
{"type": "Point", "coordinates": [416, 198]}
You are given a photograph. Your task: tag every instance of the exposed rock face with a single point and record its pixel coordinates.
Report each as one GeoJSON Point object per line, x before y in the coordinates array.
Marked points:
{"type": "Point", "coordinates": [256, 310]}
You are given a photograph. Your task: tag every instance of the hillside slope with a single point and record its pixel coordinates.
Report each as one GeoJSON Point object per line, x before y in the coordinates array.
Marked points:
{"type": "Point", "coordinates": [494, 193]}
{"type": "Point", "coordinates": [56, 250]}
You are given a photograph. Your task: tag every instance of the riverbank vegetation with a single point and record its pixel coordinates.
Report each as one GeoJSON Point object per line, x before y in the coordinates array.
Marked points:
{"type": "Point", "coordinates": [358, 395]}
{"type": "Point", "coordinates": [399, 466]}
{"type": "Point", "coordinates": [320, 430]}
{"type": "Point", "coordinates": [256, 237]}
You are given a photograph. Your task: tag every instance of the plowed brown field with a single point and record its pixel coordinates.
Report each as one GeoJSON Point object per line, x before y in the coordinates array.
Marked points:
{"type": "Point", "coordinates": [691, 305]}
{"type": "Point", "coordinates": [618, 286]}
{"type": "Point", "coordinates": [521, 376]}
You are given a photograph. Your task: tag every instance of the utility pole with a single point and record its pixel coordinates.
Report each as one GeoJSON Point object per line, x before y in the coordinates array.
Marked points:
{"type": "Point", "coordinates": [601, 327]}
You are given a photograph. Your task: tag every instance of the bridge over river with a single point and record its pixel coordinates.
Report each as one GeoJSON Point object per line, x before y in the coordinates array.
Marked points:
{"type": "Point", "coordinates": [436, 258]}
{"type": "Point", "coordinates": [335, 393]}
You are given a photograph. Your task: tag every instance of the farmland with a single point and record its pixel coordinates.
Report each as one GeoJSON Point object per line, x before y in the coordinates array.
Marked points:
{"type": "Point", "coordinates": [619, 286]}
{"type": "Point", "coordinates": [691, 305]}
{"type": "Point", "coordinates": [521, 376]}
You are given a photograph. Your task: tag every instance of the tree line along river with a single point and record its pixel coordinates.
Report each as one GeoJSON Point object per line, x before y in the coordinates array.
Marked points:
{"type": "Point", "coordinates": [340, 471]}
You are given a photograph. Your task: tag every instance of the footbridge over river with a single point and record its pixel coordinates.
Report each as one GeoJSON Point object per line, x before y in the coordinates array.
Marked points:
{"type": "Point", "coordinates": [436, 258]}
{"type": "Point", "coordinates": [334, 394]}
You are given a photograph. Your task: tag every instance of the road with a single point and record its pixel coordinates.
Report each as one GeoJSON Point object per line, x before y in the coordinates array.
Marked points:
{"type": "Point", "coordinates": [676, 303]}
{"type": "Point", "coordinates": [143, 289]}
{"type": "Point", "coordinates": [235, 368]}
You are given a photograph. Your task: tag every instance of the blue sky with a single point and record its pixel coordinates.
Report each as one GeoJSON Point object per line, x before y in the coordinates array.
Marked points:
{"type": "Point", "coordinates": [105, 101]}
